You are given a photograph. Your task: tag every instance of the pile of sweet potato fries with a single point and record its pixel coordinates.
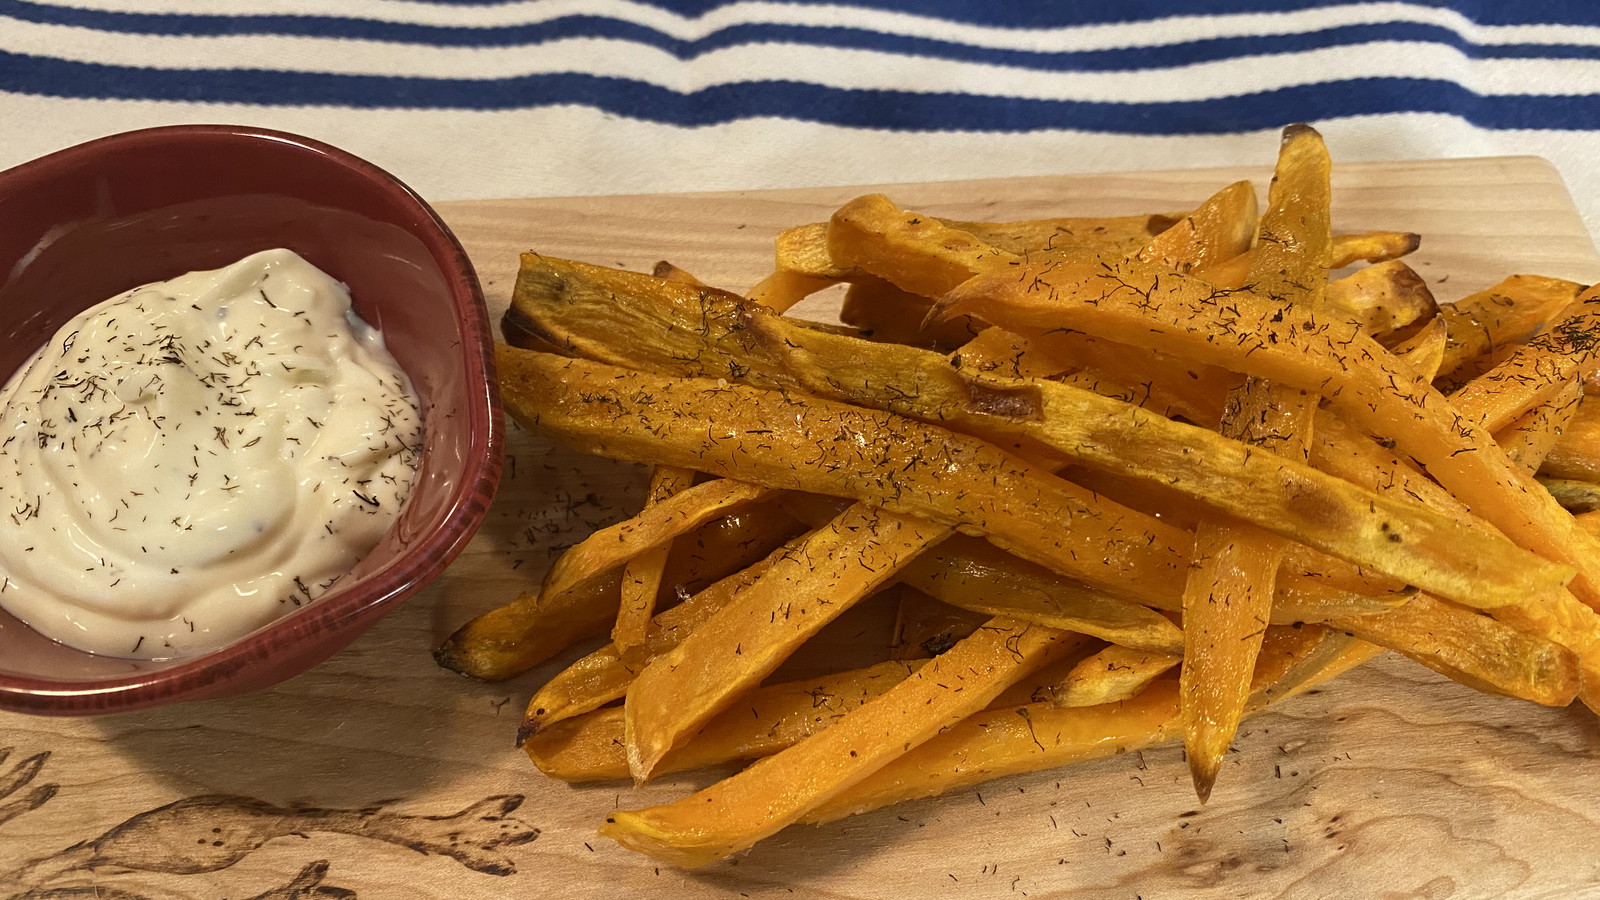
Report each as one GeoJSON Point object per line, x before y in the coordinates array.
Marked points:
{"type": "Point", "coordinates": [1128, 479]}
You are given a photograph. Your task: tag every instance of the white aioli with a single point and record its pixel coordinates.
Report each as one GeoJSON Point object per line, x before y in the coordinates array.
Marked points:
{"type": "Point", "coordinates": [193, 459]}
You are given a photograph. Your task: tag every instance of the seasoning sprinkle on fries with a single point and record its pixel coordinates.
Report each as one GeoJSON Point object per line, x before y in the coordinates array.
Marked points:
{"type": "Point", "coordinates": [1129, 481]}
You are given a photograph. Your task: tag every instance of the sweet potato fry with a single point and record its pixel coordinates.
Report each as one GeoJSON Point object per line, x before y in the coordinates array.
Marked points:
{"type": "Point", "coordinates": [1220, 228]}
{"type": "Point", "coordinates": [636, 416]}
{"type": "Point", "coordinates": [884, 312]}
{"type": "Point", "coordinates": [651, 529]}
{"type": "Point", "coordinates": [1372, 247]}
{"type": "Point", "coordinates": [802, 268]}
{"type": "Point", "coordinates": [641, 576]}
{"type": "Point", "coordinates": [925, 627]}
{"type": "Point", "coordinates": [1481, 324]}
{"type": "Point", "coordinates": [1112, 675]}
{"type": "Point", "coordinates": [1110, 234]}
{"type": "Point", "coordinates": [823, 447]}
{"type": "Point", "coordinates": [778, 790]}
{"type": "Point", "coordinates": [1535, 371]}
{"type": "Point", "coordinates": [1227, 601]}
{"type": "Point", "coordinates": [1474, 649]}
{"type": "Point", "coordinates": [1576, 454]}
{"type": "Point", "coordinates": [706, 333]}
{"type": "Point", "coordinates": [1035, 737]}
{"type": "Point", "coordinates": [1576, 496]}
{"type": "Point", "coordinates": [511, 639]}
{"type": "Point", "coordinates": [997, 743]}
{"type": "Point", "coordinates": [1347, 249]}
{"type": "Point", "coordinates": [972, 574]}
{"type": "Point", "coordinates": [1191, 318]}
{"type": "Point", "coordinates": [1424, 350]}
{"type": "Point", "coordinates": [747, 639]}
{"type": "Point", "coordinates": [1151, 380]}
{"type": "Point", "coordinates": [605, 674]}
{"type": "Point", "coordinates": [1555, 616]}
{"type": "Point", "coordinates": [914, 252]}
{"type": "Point", "coordinates": [1529, 439]}
{"type": "Point", "coordinates": [590, 747]}
{"type": "Point", "coordinates": [1388, 300]}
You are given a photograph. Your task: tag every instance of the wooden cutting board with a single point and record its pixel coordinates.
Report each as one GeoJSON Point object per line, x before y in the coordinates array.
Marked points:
{"type": "Point", "coordinates": [379, 774]}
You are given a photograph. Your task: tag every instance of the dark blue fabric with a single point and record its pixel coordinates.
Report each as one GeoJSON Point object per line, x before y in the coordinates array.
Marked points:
{"type": "Point", "coordinates": [566, 27]}
{"type": "Point", "coordinates": [862, 108]}
{"type": "Point", "coordinates": [1048, 14]}
{"type": "Point", "coordinates": [883, 108]}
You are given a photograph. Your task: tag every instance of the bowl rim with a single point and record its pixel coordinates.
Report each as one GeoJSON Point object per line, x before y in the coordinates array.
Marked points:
{"type": "Point", "coordinates": [206, 675]}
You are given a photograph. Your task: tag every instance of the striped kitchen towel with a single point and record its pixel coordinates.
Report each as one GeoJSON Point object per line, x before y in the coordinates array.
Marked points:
{"type": "Point", "coordinates": [548, 97]}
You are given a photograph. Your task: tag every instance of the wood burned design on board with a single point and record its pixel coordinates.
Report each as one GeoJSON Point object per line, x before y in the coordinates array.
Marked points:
{"type": "Point", "coordinates": [211, 832]}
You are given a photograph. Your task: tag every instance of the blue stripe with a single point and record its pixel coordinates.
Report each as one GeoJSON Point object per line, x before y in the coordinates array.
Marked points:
{"type": "Point", "coordinates": [1046, 14]}
{"type": "Point", "coordinates": [876, 109]}
{"type": "Point", "coordinates": [1167, 56]}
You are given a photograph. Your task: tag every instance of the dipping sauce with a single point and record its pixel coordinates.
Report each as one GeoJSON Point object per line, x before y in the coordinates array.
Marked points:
{"type": "Point", "coordinates": [190, 460]}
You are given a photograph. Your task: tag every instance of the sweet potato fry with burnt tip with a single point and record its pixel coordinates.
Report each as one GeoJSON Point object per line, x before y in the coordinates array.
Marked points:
{"type": "Point", "coordinates": [1372, 247]}
{"type": "Point", "coordinates": [1227, 601]}
{"type": "Point", "coordinates": [667, 271]}
{"type": "Point", "coordinates": [1388, 300]}
{"type": "Point", "coordinates": [511, 639]}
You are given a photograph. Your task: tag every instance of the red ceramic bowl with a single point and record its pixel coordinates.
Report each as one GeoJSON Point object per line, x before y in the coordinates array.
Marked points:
{"type": "Point", "coordinates": [81, 225]}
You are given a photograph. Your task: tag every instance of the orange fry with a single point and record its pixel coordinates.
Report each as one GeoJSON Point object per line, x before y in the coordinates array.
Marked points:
{"type": "Point", "coordinates": [1171, 312]}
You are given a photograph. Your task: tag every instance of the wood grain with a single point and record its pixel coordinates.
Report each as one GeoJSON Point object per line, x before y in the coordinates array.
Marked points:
{"type": "Point", "coordinates": [382, 775]}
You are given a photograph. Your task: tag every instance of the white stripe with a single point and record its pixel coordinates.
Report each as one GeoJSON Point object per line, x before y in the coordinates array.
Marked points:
{"type": "Point", "coordinates": [1152, 33]}
{"type": "Point", "coordinates": [847, 69]}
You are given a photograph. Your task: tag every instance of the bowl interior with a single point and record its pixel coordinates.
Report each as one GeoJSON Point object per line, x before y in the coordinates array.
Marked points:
{"type": "Point", "coordinates": [82, 225]}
